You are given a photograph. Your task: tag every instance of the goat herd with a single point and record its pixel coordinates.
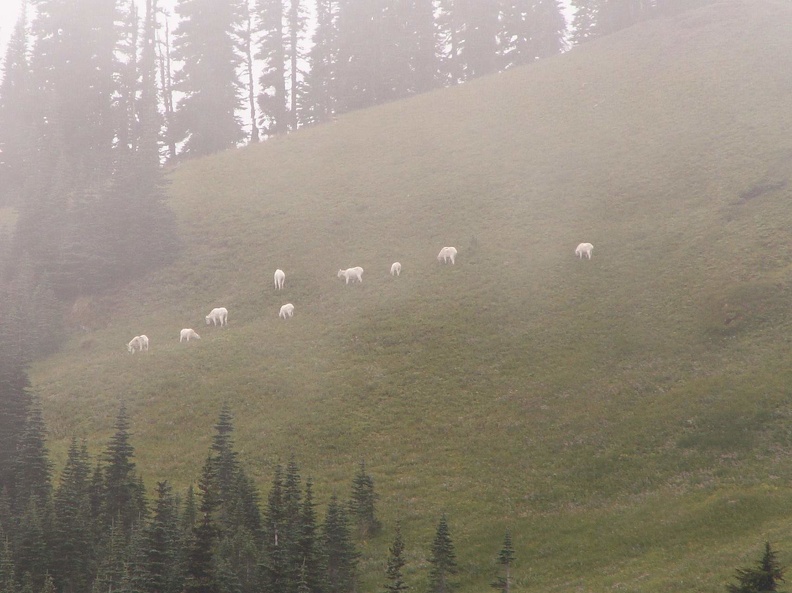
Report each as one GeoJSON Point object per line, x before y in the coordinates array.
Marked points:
{"type": "Point", "coordinates": [219, 315]}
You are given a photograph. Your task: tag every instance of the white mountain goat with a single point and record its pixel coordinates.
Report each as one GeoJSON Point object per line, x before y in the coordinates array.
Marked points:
{"type": "Point", "coordinates": [584, 249]}
{"type": "Point", "coordinates": [396, 269]}
{"type": "Point", "coordinates": [218, 315]}
{"type": "Point", "coordinates": [280, 277]}
{"type": "Point", "coordinates": [138, 343]}
{"type": "Point", "coordinates": [286, 311]}
{"type": "Point", "coordinates": [186, 334]}
{"type": "Point", "coordinates": [447, 254]}
{"type": "Point", "coordinates": [355, 273]}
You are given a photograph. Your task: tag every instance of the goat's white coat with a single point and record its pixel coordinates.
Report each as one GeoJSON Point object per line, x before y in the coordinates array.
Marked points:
{"type": "Point", "coordinates": [584, 249]}
{"type": "Point", "coordinates": [187, 333]}
{"type": "Point", "coordinates": [139, 343]}
{"type": "Point", "coordinates": [447, 254]}
{"type": "Point", "coordinates": [396, 269]}
{"type": "Point", "coordinates": [218, 315]}
{"type": "Point", "coordinates": [280, 277]}
{"type": "Point", "coordinates": [355, 273]}
{"type": "Point", "coordinates": [286, 311]}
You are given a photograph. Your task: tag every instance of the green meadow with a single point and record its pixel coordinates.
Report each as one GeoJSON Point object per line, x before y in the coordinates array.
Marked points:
{"type": "Point", "coordinates": [628, 418]}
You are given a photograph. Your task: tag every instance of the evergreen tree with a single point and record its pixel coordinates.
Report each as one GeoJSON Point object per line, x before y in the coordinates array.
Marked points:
{"type": "Point", "coordinates": [395, 580]}
{"type": "Point", "coordinates": [111, 562]}
{"type": "Point", "coordinates": [312, 569]}
{"type": "Point", "coordinates": [246, 41]}
{"type": "Point", "coordinates": [478, 37]}
{"type": "Point", "coordinates": [297, 19]}
{"type": "Point", "coordinates": [8, 582]}
{"type": "Point", "coordinates": [584, 20]}
{"type": "Point", "coordinates": [49, 584]}
{"type": "Point", "coordinates": [123, 499]}
{"type": "Point", "coordinates": [360, 47]}
{"type": "Point", "coordinates": [272, 59]}
{"type": "Point", "coordinates": [442, 559]}
{"type": "Point", "coordinates": [362, 504]}
{"type": "Point", "coordinates": [424, 59]}
{"type": "Point", "coordinates": [201, 573]}
{"type": "Point", "coordinates": [206, 44]}
{"type": "Point", "coordinates": [32, 557]}
{"type": "Point", "coordinates": [275, 560]}
{"type": "Point", "coordinates": [72, 526]}
{"type": "Point", "coordinates": [548, 38]}
{"type": "Point", "coordinates": [162, 544]}
{"type": "Point", "coordinates": [341, 557]}
{"type": "Point", "coordinates": [321, 80]}
{"type": "Point", "coordinates": [763, 578]}
{"type": "Point", "coordinates": [505, 559]}
{"type": "Point", "coordinates": [33, 468]}
{"type": "Point", "coordinates": [14, 401]}
{"type": "Point", "coordinates": [15, 113]}
{"type": "Point", "coordinates": [448, 42]}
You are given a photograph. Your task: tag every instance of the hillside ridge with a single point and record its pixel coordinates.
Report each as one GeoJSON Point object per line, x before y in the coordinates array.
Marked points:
{"type": "Point", "coordinates": [626, 417]}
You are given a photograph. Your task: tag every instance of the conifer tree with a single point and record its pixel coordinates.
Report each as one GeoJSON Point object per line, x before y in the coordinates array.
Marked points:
{"type": "Point", "coordinates": [32, 557]}
{"type": "Point", "coordinates": [33, 468]}
{"type": "Point", "coordinates": [49, 584]}
{"type": "Point", "coordinates": [111, 561]}
{"type": "Point", "coordinates": [162, 544]}
{"type": "Point", "coordinates": [360, 48]}
{"type": "Point", "coordinates": [271, 55]}
{"type": "Point", "coordinates": [15, 113]}
{"type": "Point", "coordinates": [321, 79]}
{"type": "Point", "coordinates": [424, 59]}
{"type": "Point", "coordinates": [505, 559]}
{"type": "Point", "coordinates": [201, 574]}
{"type": "Point", "coordinates": [72, 535]}
{"type": "Point", "coordinates": [123, 499]}
{"type": "Point", "coordinates": [763, 578]}
{"type": "Point", "coordinates": [393, 573]}
{"type": "Point", "coordinates": [14, 401]}
{"type": "Point", "coordinates": [246, 42]}
{"type": "Point", "coordinates": [206, 44]}
{"type": "Point", "coordinates": [309, 550]}
{"type": "Point", "coordinates": [478, 37]}
{"type": "Point", "coordinates": [275, 560]}
{"type": "Point", "coordinates": [8, 582]}
{"type": "Point", "coordinates": [341, 557]}
{"type": "Point", "coordinates": [583, 20]}
{"type": "Point", "coordinates": [442, 559]}
{"type": "Point", "coordinates": [297, 19]}
{"type": "Point", "coordinates": [362, 504]}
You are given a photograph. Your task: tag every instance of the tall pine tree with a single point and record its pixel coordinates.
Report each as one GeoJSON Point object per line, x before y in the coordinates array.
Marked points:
{"type": "Point", "coordinates": [206, 45]}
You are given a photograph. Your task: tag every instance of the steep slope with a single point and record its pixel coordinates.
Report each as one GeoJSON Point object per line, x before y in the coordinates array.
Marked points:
{"type": "Point", "coordinates": [626, 417]}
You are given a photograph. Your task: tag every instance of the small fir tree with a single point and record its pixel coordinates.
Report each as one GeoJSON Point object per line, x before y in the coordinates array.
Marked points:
{"type": "Point", "coordinates": [763, 578]}
{"type": "Point", "coordinates": [341, 557]}
{"type": "Point", "coordinates": [362, 504]}
{"type": "Point", "coordinates": [505, 559]}
{"type": "Point", "coordinates": [395, 580]}
{"type": "Point", "coordinates": [442, 559]}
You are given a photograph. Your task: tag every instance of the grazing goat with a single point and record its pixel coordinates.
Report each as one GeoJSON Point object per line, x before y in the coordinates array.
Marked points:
{"type": "Point", "coordinates": [396, 269]}
{"type": "Point", "coordinates": [447, 254]}
{"type": "Point", "coordinates": [218, 315]}
{"type": "Point", "coordinates": [584, 249]}
{"type": "Point", "coordinates": [286, 311]}
{"type": "Point", "coordinates": [280, 277]}
{"type": "Point", "coordinates": [139, 343]}
{"type": "Point", "coordinates": [188, 333]}
{"type": "Point", "coordinates": [351, 274]}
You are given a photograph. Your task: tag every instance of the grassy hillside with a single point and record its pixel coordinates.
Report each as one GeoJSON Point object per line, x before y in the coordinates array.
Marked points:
{"type": "Point", "coordinates": [629, 418]}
